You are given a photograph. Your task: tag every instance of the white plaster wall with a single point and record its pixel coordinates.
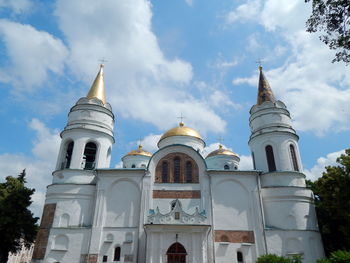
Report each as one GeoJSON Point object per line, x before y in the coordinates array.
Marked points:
{"type": "Point", "coordinates": [125, 238]}
{"type": "Point", "coordinates": [78, 243]}
{"type": "Point", "coordinates": [283, 178]}
{"type": "Point", "coordinates": [123, 204]}
{"type": "Point", "coordinates": [306, 243]}
{"type": "Point", "coordinates": [76, 201]}
{"type": "Point", "coordinates": [289, 208]}
{"type": "Point", "coordinates": [227, 252]}
{"type": "Point", "coordinates": [232, 203]}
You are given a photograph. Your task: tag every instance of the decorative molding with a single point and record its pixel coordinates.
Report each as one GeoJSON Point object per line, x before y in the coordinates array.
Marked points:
{"type": "Point", "coordinates": [176, 216]}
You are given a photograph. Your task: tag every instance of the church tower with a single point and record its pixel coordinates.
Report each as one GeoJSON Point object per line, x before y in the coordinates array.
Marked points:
{"type": "Point", "coordinates": [88, 136]}
{"type": "Point", "coordinates": [86, 146]}
{"type": "Point", "coordinates": [273, 141]}
{"type": "Point", "coordinates": [289, 218]}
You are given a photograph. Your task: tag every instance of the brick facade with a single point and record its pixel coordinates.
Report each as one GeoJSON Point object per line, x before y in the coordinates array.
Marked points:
{"type": "Point", "coordinates": [234, 236]}
{"type": "Point", "coordinates": [44, 230]}
{"type": "Point", "coordinates": [184, 158]}
{"type": "Point", "coordinates": [177, 194]}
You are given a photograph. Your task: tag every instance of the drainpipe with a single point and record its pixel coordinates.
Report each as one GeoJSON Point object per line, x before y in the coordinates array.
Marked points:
{"type": "Point", "coordinates": [261, 209]}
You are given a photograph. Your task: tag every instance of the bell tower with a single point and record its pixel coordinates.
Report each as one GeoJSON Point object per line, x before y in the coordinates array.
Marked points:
{"type": "Point", "coordinates": [88, 137]}
{"type": "Point", "coordinates": [273, 141]}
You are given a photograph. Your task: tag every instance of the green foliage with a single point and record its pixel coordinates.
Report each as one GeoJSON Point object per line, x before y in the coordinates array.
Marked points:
{"type": "Point", "coordinates": [332, 18]}
{"type": "Point", "coordinates": [339, 256]}
{"type": "Point", "coordinates": [17, 223]}
{"type": "Point", "coordinates": [332, 200]}
{"type": "Point", "coordinates": [272, 258]}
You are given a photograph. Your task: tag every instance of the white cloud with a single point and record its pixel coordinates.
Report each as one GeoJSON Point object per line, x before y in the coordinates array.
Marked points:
{"type": "Point", "coordinates": [17, 6]}
{"type": "Point", "coordinates": [246, 162]}
{"type": "Point", "coordinates": [141, 83]}
{"type": "Point", "coordinates": [149, 142]}
{"type": "Point", "coordinates": [32, 54]}
{"type": "Point", "coordinates": [189, 2]}
{"type": "Point", "coordinates": [38, 167]}
{"type": "Point", "coordinates": [244, 12]}
{"type": "Point", "coordinates": [316, 171]}
{"type": "Point", "coordinates": [312, 87]}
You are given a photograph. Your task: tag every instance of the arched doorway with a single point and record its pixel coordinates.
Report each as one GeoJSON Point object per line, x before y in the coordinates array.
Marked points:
{"type": "Point", "coordinates": [176, 253]}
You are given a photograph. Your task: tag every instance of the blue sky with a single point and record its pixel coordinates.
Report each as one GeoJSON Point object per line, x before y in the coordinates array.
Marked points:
{"type": "Point", "coordinates": [165, 58]}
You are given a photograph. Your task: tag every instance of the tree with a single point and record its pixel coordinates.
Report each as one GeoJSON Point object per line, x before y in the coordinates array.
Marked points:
{"type": "Point", "coordinates": [332, 200]}
{"type": "Point", "coordinates": [17, 223]}
{"type": "Point", "coordinates": [332, 17]}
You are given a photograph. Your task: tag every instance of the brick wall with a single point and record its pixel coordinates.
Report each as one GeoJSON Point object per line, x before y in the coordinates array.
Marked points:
{"type": "Point", "coordinates": [234, 236]}
{"type": "Point", "coordinates": [184, 158]}
{"type": "Point", "coordinates": [44, 231]}
{"type": "Point", "coordinates": [177, 194]}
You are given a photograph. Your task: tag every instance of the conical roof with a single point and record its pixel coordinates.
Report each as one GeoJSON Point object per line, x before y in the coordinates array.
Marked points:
{"type": "Point", "coordinates": [264, 90]}
{"type": "Point", "coordinates": [97, 89]}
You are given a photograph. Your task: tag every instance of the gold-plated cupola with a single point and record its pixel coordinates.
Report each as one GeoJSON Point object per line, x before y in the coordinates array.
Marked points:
{"type": "Point", "coordinates": [264, 90]}
{"type": "Point", "coordinates": [97, 89]}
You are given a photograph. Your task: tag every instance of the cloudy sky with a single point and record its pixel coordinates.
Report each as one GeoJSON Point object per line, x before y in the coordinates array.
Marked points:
{"type": "Point", "coordinates": [164, 59]}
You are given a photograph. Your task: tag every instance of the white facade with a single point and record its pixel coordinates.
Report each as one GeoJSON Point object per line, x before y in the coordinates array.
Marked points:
{"type": "Point", "coordinates": [175, 206]}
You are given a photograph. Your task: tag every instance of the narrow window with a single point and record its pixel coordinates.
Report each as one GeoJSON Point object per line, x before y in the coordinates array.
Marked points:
{"type": "Point", "coordinates": [90, 156]}
{"type": "Point", "coordinates": [226, 167]}
{"type": "Point", "coordinates": [253, 157]}
{"type": "Point", "coordinates": [294, 157]}
{"type": "Point", "coordinates": [116, 254]}
{"type": "Point", "coordinates": [176, 170]}
{"type": "Point", "coordinates": [270, 158]}
{"type": "Point", "coordinates": [239, 256]}
{"type": "Point", "coordinates": [188, 172]}
{"type": "Point", "coordinates": [105, 259]}
{"type": "Point", "coordinates": [165, 172]}
{"type": "Point", "coordinates": [69, 155]}
{"type": "Point", "coordinates": [133, 166]}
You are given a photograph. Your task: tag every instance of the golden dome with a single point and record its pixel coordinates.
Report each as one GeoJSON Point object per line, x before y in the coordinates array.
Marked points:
{"type": "Point", "coordinates": [139, 151]}
{"type": "Point", "coordinates": [181, 130]}
{"type": "Point", "coordinates": [221, 151]}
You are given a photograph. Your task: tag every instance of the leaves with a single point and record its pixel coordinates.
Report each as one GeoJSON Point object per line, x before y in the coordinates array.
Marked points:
{"type": "Point", "coordinates": [17, 223]}
{"type": "Point", "coordinates": [332, 200]}
{"type": "Point", "coordinates": [332, 18]}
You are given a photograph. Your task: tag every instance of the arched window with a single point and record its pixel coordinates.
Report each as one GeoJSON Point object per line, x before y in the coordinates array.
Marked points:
{"type": "Point", "coordinates": [176, 170]}
{"type": "Point", "coordinates": [294, 157]}
{"type": "Point", "coordinates": [270, 158]}
{"type": "Point", "coordinates": [133, 166]}
{"type": "Point", "coordinates": [90, 156]}
{"type": "Point", "coordinates": [165, 173]}
{"type": "Point", "coordinates": [116, 254]}
{"type": "Point", "coordinates": [68, 155]}
{"type": "Point", "coordinates": [253, 157]}
{"type": "Point", "coordinates": [188, 172]}
{"type": "Point", "coordinates": [226, 167]}
{"type": "Point", "coordinates": [239, 257]}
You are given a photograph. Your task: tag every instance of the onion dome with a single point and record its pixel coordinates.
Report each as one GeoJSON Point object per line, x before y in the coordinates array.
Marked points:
{"type": "Point", "coordinates": [139, 151]}
{"type": "Point", "coordinates": [181, 130]}
{"type": "Point", "coordinates": [221, 151]}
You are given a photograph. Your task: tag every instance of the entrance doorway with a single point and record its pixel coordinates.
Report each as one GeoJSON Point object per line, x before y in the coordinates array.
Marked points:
{"type": "Point", "coordinates": [176, 253]}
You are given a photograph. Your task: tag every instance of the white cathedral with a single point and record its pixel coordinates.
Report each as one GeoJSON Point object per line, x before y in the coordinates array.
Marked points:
{"type": "Point", "coordinates": [176, 205]}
